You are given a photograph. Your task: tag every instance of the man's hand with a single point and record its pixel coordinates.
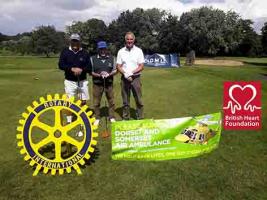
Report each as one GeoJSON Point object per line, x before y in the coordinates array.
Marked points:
{"type": "Point", "coordinates": [104, 74]}
{"type": "Point", "coordinates": [130, 79]}
{"type": "Point", "coordinates": [76, 70]}
{"type": "Point", "coordinates": [127, 74]}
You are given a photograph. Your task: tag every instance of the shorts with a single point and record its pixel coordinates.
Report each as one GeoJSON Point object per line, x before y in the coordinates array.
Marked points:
{"type": "Point", "coordinates": [72, 89]}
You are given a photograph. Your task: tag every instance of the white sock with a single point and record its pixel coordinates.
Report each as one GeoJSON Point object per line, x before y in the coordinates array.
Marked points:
{"type": "Point", "coordinates": [69, 119]}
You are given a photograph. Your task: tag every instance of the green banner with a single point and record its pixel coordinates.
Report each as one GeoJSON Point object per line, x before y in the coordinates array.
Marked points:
{"type": "Point", "coordinates": [165, 139]}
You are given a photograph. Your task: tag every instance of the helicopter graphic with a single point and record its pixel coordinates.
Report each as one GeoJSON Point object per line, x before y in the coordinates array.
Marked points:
{"type": "Point", "coordinates": [199, 133]}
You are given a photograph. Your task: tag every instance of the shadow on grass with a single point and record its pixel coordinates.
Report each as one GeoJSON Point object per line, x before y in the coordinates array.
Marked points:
{"type": "Point", "coordinates": [50, 148]}
{"type": "Point", "coordinates": [104, 111]}
{"type": "Point", "coordinates": [93, 156]}
{"type": "Point", "coordinates": [256, 63]}
{"type": "Point", "coordinates": [92, 159]}
{"type": "Point", "coordinates": [264, 75]}
{"type": "Point", "coordinates": [66, 153]}
{"type": "Point", "coordinates": [132, 112]}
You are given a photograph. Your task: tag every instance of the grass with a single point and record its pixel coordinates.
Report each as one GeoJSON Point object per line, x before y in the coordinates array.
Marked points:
{"type": "Point", "coordinates": [236, 170]}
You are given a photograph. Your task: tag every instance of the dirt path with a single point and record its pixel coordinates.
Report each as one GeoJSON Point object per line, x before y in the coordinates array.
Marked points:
{"type": "Point", "coordinates": [219, 62]}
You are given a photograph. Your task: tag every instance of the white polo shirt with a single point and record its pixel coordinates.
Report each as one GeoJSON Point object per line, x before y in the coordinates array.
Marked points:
{"type": "Point", "coordinates": [130, 58]}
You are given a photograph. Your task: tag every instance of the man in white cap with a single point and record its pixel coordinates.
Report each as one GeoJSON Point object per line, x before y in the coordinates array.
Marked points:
{"type": "Point", "coordinates": [75, 61]}
{"type": "Point", "coordinates": [130, 63]}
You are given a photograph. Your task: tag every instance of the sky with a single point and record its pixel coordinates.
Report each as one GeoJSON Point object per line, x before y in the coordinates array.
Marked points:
{"type": "Point", "coordinates": [17, 16]}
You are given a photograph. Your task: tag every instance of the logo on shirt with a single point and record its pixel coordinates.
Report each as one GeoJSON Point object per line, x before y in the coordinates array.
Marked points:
{"type": "Point", "coordinates": [81, 59]}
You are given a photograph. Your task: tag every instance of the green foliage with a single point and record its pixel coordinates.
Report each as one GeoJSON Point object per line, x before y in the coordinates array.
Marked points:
{"type": "Point", "coordinates": [170, 35]}
{"type": "Point", "coordinates": [207, 31]}
{"type": "Point", "coordinates": [264, 38]}
{"type": "Point", "coordinates": [25, 45]}
{"type": "Point", "coordinates": [18, 44]}
{"type": "Point", "coordinates": [47, 40]}
{"type": "Point", "coordinates": [250, 44]}
{"type": "Point", "coordinates": [3, 37]}
{"type": "Point", "coordinates": [43, 40]}
{"type": "Point", "coordinates": [91, 31]}
{"type": "Point", "coordinates": [145, 24]}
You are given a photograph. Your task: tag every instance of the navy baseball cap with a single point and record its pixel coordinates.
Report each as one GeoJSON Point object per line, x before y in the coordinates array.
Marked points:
{"type": "Point", "coordinates": [101, 45]}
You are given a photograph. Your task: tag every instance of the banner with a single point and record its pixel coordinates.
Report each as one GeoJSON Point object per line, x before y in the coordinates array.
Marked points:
{"type": "Point", "coordinates": [162, 60]}
{"type": "Point", "coordinates": [165, 139]}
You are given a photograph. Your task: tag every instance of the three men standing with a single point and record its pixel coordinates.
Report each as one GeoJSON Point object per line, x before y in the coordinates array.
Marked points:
{"type": "Point", "coordinates": [130, 62]}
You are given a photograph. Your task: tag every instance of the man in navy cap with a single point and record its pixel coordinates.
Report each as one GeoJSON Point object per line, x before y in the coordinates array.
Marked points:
{"type": "Point", "coordinates": [103, 70]}
{"type": "Point", "coordinates": [75, 62]}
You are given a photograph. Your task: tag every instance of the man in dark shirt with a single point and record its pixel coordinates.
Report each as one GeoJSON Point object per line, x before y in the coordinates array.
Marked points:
{"type": "Point", "coordinates": [76, 63]}
{"type": "Point", "coordinates": [103, 70]}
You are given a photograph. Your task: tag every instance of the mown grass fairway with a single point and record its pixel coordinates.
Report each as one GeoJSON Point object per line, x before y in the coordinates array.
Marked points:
{"type": "Point", "coordinates": [236, 170]}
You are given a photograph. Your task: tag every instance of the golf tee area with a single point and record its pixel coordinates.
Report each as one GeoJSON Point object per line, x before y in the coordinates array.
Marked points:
{"type": "Point", "coordinates": [235, 170]}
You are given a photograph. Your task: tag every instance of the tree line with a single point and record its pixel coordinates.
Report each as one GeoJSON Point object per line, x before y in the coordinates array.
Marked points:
{"type": "Point", "coordinates": [206, 30]}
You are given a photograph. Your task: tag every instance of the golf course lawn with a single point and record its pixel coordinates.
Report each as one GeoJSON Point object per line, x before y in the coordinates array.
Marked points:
{"type": "Point", "coordinates": [236, 170]}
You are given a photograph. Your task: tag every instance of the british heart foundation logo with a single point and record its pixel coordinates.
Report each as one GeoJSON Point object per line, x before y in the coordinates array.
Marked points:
{"type": "Point", "coordinates": [242, 106]}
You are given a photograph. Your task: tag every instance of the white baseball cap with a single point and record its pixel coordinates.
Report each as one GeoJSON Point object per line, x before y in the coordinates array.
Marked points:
{"type": "Point", "coordinates": [75, 36]}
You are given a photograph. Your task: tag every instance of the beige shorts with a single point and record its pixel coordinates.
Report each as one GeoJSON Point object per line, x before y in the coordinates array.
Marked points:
{"type": "Point", "coordinates": [72, 89]}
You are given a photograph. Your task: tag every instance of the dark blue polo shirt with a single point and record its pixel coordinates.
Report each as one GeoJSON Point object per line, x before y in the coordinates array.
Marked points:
{"type": "Point", "coordinates": [69, 59]}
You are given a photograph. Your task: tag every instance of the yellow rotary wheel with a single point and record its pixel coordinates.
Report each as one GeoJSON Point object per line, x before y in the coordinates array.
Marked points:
{"type": "Point", "coordinates": [49, 152]}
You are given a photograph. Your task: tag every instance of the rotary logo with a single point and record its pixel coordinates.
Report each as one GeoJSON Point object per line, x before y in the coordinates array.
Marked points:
{"type": "Point", "coordinates": [49, 144]}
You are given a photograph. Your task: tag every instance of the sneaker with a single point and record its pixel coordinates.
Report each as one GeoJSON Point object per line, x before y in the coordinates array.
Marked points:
{"type": "Point", "coordinates": [96, 123]}
{"type": "Point", "coordinates": [112, 120]}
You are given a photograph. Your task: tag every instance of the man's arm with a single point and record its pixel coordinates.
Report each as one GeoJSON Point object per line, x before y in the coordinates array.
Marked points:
{"type": "Point", "coordinates": [96, 74]}
{"type": "Point", "coordinates": [126, 75]}
{"type": "Point", "coordinates": [119, 63]}
{"type": "Point", "coordinates": [119, 68]}
{"type": "Point", "coordinates": [140, 61]}
{"type": "Point", "coordinates": [62, 64]}
{"type": "Point", "coordinates": [89, 65]}
{"type": "Point", "coordinates": [114, 70]}
{"type": "Point", "coordinates": [93, 73]}
{"type": "Point", "coordinates": [139, 68]}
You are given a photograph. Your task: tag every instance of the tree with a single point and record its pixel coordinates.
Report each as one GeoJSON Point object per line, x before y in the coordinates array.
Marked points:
{"type": "Point", "coordinates": [3, 37]}
{"type": "Point", "coordinates": [206, 30]}
{"type": "Point", "coordinates": [250, 44]}
{"type": "Point", "coordinates": [10, 45]}
{"type": "Point", "coordinates": [24, 45]}
{"type": "Point", "coordinates": [232, 31]}
{"type": "Point", "coordinates": [91, 31]}
{"type": "Point", "coordinates": [145, 24]}
{"type": "Point", "coordinates": [170, 35]}
{"type": "Point", "coordinates": [264, 38]}
{"type": "Point", "coordinates": [209, 31]}
{"type": "Point", "coordinates": [61, 41]}
{"type": "Point", "coordinates": [46, 40]}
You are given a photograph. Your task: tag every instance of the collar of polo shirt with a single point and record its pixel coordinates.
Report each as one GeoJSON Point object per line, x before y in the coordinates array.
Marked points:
{"type": "Point", "coordinates": [74, 51]}
{"type": "Point", "coordinates": [129, 49]}
{"type": "Point", "coordinates": [98, 56]}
